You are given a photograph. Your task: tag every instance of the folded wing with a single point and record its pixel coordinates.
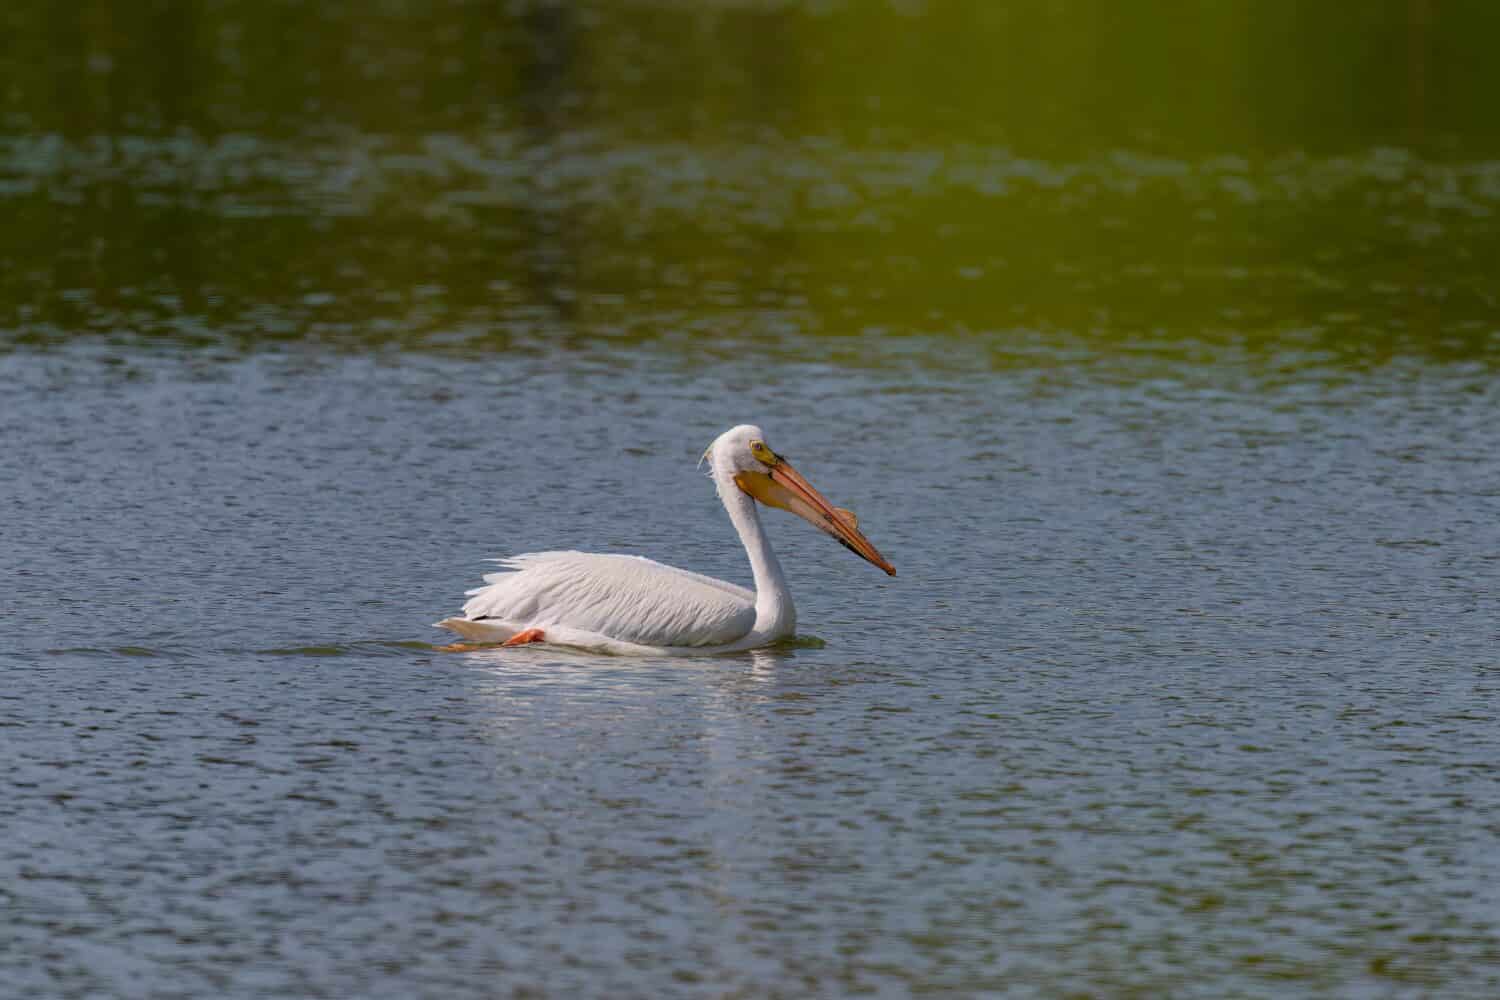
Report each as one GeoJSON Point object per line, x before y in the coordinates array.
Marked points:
{"type": "Point", "coordinates": [621, 597]}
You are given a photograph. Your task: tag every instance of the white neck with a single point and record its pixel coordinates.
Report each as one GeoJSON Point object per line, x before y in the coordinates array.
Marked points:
{"type": "Point", "coordinates": [774, 613]}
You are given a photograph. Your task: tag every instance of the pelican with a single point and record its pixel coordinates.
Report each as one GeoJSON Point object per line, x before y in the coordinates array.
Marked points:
{"type": "Point", "coordinates": [630, 604]}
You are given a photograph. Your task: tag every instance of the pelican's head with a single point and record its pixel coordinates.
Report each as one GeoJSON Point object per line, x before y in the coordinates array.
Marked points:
{"type": "Point", "coordinates": [742, 456]}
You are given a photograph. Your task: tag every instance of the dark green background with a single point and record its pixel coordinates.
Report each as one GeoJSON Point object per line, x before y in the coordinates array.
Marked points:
{"type": "Point", "coordinates": [522, 176]}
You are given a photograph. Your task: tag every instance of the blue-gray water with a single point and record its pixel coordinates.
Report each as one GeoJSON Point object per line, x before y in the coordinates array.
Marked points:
{"type": "Point", "coordinates": [1186, 686]}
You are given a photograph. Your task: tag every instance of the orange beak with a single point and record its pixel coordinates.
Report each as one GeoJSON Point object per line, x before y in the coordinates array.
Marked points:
{"type": "Point", "coordinates": [784, 487]}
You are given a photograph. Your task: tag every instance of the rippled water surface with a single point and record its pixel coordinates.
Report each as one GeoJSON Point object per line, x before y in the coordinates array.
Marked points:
{"type": "Point", "coordinates": [1186, 683]}
{"type": "Point", "coordinates": [1159, 353]}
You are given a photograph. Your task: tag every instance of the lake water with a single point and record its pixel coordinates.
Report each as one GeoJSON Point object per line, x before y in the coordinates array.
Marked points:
{"type": "Point", "coordinates": [1175, 407]}
{"type": "Point", "coordinates": [1186, 684]}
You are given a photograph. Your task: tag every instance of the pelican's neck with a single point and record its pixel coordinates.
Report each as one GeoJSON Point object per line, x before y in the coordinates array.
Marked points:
{"type": "Point", "coordinates": [773, 599]}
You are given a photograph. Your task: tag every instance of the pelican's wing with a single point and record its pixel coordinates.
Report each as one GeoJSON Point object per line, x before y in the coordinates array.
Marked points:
{"type": "Point", "coordinates": [622, 597]}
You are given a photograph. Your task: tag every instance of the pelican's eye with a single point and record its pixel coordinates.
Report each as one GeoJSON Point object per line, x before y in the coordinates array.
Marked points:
{"type": "Point", "coordinates": [762, 453]}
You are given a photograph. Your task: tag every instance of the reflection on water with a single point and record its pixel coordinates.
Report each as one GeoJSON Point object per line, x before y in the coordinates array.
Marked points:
{"type": "Point", "coordinates": [1268, 74]}
{"type": "Point", "coordinates": [453, 178]}
{"type": "Point", "coordinates": [1367, 253]}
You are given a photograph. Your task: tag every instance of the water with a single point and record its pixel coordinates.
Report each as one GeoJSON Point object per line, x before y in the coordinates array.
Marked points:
{"type": "Point", "coordinates": [1186, 683]}
{"type": "Point", "coordinates": [1173, 405]}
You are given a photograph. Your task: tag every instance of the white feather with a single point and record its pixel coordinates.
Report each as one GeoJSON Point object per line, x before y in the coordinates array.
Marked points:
{"type": "Point", "coordinates": [629, 599]}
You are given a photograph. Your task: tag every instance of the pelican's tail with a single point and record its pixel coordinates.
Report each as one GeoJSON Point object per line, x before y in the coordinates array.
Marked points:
{"type": "Point", "coordinates": [483, 630]}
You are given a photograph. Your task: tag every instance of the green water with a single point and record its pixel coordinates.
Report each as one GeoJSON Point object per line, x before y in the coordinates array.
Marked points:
{"type": "Point", "coordinates": [451, 175]}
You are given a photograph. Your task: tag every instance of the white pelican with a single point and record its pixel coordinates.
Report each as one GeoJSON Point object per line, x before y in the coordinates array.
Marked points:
{"type": "Point", "coordinates": [629, 604]}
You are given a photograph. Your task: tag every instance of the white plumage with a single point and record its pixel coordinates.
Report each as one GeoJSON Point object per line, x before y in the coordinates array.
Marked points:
{"type": "Point", "coordinates": [628, 604]}
{"type": "Point", "coordinates": [628, 599]}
